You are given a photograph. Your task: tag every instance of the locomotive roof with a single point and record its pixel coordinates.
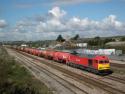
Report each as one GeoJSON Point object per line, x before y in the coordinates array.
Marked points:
{"type": "Point", "coordinates": [85, 55]}
{"type": "Point", "coordinates": [79, 54]}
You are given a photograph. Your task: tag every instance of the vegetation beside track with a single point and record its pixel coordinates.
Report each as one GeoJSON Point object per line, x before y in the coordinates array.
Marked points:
{"type": "Point", "coordinates": [15, 79]}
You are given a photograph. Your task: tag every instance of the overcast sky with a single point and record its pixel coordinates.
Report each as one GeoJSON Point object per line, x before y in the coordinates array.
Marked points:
{"type": "Point", "coordinates": [46, 19]}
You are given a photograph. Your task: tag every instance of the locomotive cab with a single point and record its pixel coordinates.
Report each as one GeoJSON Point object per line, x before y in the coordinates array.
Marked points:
{"type": "Point", "coordinates": [103, 64]}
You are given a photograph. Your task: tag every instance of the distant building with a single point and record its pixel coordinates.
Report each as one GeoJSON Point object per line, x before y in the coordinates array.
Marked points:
{"type": "Point", "coordinates": [118, 52]}
{"type": "Point", "coordinates": [99, 51]}
{"type": "Point", "coordinates": [23, 45]}
{"type": "Point", "coordinates": [118, 43]}
{"type": "Point", "coordinates": [81, 44]}
{"type": "Point", "coordinates": [40, 48]}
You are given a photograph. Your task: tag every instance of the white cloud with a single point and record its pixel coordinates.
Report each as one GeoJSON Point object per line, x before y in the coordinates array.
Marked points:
{"type": "Point", "coordinates": [57, 13]}
{"type": "Point", "coordinates": [106, 27]}
{"type": "Point", "coordinates": [2, 23]}
{"type": "Point", "coordinates": [24, 26]}
{"type": "Point", "coordinates": [85, 27]}
{"type": "Point", "coordinates": [55, 23]}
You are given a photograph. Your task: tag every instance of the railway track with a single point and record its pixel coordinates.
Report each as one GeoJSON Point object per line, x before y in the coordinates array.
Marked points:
{"type": "Point", "coordinates": [118, 65]}
{"type": "Point", "coordinates": [116, 79]}
{"type": "Point", "coordinates": [81, 78]}
{"type": "Point", "coordinates": [63, 82]}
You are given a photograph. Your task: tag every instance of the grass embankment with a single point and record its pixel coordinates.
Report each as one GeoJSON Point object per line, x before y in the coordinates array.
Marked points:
{"type": "Point", "coordinates": [15, 79]}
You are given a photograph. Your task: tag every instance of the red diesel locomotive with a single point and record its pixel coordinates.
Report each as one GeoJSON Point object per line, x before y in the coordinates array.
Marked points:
{"type": "Point", "coordinates": [94, 63]}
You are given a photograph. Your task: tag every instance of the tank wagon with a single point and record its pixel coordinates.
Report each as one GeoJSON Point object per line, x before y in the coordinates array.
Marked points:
{"type": "Point", "coordinates": [93, 63]}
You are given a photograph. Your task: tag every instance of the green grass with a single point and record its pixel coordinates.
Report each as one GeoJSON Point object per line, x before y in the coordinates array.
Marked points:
{"type": "Point", "coordinates": [15, 79]}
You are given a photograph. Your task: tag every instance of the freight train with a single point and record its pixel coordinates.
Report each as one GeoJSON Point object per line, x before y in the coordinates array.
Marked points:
{"type": "Point", "coordinates": [97, 64]}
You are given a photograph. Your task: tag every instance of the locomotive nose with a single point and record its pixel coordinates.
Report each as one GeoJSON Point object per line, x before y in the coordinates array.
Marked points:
{"type": "Point", "coordinates": [103, 66]}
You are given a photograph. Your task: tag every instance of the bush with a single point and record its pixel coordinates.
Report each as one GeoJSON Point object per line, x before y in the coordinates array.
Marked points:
{"type": "Point", "coordinates": [15, 79]}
